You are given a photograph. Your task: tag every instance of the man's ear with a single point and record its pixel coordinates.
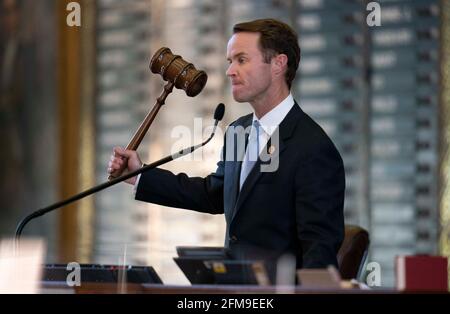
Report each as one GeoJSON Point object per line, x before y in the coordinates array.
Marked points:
{"type": "Point", "coordinates": [279, 64]}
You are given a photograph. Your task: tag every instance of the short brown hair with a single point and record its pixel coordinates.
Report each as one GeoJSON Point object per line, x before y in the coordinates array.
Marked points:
{"type": "Point", "coordinates": [276, 37]}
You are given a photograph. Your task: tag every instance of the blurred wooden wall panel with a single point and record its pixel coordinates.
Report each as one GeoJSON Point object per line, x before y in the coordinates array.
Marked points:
{"type": "Point", "coordinates": [76, 93]}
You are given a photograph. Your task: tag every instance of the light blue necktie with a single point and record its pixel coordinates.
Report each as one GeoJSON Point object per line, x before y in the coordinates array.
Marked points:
{"type": "Point", "coordinates": [251, 154]}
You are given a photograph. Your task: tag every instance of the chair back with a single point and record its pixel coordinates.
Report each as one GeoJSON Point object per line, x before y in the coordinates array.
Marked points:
{"type": "Point", "coordinates": [353, 252]}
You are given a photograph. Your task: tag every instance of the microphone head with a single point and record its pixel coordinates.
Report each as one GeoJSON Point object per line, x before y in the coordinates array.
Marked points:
{"type": "Point", "coordinates": [220, 111]}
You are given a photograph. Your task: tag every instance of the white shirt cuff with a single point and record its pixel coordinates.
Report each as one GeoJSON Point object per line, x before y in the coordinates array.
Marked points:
{"type": "Point", "coordinates": [136, 184]}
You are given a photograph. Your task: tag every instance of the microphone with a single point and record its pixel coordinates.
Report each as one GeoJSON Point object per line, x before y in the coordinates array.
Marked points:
{"type": "Point", "coordinates": [220, 111]}
{"type": "Point", "coordinates": [218, 115]}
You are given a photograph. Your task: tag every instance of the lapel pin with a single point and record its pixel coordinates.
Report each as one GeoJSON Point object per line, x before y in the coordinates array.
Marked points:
{"type": "Point", "coordinates": [271, 149]}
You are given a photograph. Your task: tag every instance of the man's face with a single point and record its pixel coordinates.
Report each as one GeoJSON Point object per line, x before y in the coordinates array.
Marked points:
{"type": "Point", "coordinates": [250, 76]}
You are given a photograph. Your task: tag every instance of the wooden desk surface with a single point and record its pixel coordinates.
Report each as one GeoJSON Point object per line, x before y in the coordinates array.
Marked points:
{"type": "Point", "coordinates": [108, 288]}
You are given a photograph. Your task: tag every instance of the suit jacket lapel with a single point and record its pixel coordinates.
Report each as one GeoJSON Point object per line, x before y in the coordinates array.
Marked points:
{"type": "Point", "coordinates": [285, 130]}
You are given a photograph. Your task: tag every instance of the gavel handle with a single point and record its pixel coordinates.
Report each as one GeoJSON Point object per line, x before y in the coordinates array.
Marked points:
{"type": "Point", "coordinates": [143, 128]}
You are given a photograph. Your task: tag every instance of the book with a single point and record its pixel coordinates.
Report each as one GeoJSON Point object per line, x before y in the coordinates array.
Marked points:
{"type": "Point", "coordinates": [421, 273]}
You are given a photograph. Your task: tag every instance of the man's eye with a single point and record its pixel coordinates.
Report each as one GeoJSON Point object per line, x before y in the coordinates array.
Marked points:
{"type": "Point", "coordinates": [241, 60]}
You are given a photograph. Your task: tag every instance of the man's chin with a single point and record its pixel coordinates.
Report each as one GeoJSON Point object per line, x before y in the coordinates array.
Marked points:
{"type": "Point", "coordinates": [239, 98]}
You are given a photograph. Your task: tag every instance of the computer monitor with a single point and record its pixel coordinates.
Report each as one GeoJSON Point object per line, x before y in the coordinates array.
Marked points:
{"type": "Point", "coordinates": [213, 265]}
{"type": "Point", "coordinates": [102, 273]}
{"type": "Point", "coordinates": [212, 252]}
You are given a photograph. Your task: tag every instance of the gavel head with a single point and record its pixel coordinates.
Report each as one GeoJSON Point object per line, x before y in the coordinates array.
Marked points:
{"type": "Point", "coordinates": [176, 70]}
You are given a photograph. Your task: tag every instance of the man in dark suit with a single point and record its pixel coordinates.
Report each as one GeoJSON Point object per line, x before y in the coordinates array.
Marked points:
{"type": "Point", "coordinates": [292, 204]}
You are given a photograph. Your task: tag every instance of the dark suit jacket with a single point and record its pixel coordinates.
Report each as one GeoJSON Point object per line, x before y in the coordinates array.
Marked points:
{"type": "Point", "coordinates": [297, 209]}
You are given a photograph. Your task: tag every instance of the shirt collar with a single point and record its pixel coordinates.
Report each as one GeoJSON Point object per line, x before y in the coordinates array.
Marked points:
{"type": "Point", "coordinates": [271, 120]}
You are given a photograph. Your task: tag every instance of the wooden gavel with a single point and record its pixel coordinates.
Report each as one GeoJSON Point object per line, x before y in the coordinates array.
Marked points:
{"type": "Point", "coordinates": [177, 72]}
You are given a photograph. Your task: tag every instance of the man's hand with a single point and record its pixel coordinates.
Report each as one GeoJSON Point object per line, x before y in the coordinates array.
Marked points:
{"type": "Point", "coordinates": [129, 157]}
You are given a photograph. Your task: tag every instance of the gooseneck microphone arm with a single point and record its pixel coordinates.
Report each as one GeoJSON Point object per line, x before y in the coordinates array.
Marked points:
{"type": "Point", "coordinates": [218, 115]}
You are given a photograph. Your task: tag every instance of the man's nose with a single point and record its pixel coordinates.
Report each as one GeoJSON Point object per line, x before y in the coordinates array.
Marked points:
{"type": "Point", "coordinates": [231, 70]}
